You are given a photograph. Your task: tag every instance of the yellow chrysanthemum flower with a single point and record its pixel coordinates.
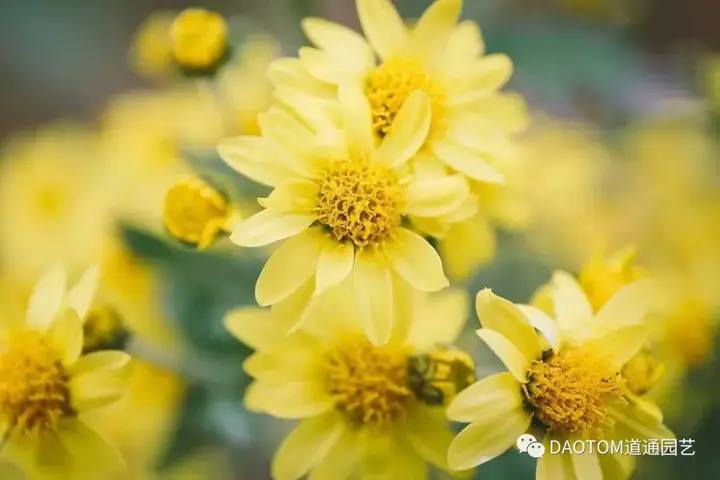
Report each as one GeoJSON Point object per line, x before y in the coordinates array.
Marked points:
{"type": "Point", "coordinates": [199, 40]}
{"type": "Point", "coordinates": [341, 200]}
{"type": "Point", "coordinates": [362, 412]}
{"type": "Point", "coordinates": [470, 120]}
{"type": "Point", "coordinates": [565, 386]}
{"type": "Point", "coordinates": [46, 386]}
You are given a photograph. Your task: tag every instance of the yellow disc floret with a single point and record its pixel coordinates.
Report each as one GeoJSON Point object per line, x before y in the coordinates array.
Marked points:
{"type": "Point", "coordinates": [569, 391]}
{"type": "Point", "coordinates": [195, 213]}
{"type": "Point", "coordinates": [369, 383]}
{"type": "Point", "coordinates": [392, 83]}
{"type": "Point", "coordinates": [199, 39]}
{"type": "Point", "coordinates": [359, 202]}
{"type": "Point", "coordinates": [34, 387]}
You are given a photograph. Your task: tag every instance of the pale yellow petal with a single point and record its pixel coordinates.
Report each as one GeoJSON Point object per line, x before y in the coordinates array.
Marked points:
{"type": "Point", "coordinates": [587, 466]}
{"type": "Point", "coordinates": [91, 453]}
{"type": "Point", "coordinates": [328, 68]}
{"type": "Point", "coordinates": [383, 26]}
{"type": "Point", "coordinates": [439, 319]}
{"type": "Point", "coordinates": [293, 195]}
{"type": "Point", "coordinates": [491, 397]}
{"type": "Point", "coordinates": [108, 360]}
{"type": "Point", "coordinates": [306, 446]}
{"type": "Point", "coordinates": [543, 323]}
{"type": "Point", "coordinates": [344, 44]}
{"type": "Point", "coordinates": [66, 335]}
{"type": "Point", "coordinates": [572, 307]}
{"type": "Point", "coordinates": [334, 265]}
{"type": "Point", "coordinates": [256, 158]}
{"type": "Point", "coordinates": [619, 346]}
{"type": "Point", "coordinates": [269, 226]}
{"type": "Point", "coordinates": [479, 79]}
{"type": "Point", "coordinates": [436, 197]}
{"type": "Point", "coordinates": [506, 111]}
{"type": "Point", "coordinates": [554, 467]}
{"type": "Point", "coordinates": [433, 31]}
{"type": "Point", "coordinates": [315, 111]}
{"type": "Point", "coordinates": [357, 122]}
{"type": "Point", "coordinates": [414, 259]}
{"type": "Point", "coordinates": [466, 246]}
{"type": "Point", "coordinates": [292, 136]}
{"type": "Point", "coordinates": [467, 162]}
{"type": "Point", "coordinates": [487, 438]}
{"type": "Point", "coordinates": [342, 459]}
{"type": "Point", "coordinates": [98, 389]}
{"type": "Point", "coordinates": [289, 73]}
{"type": "Point", "coordinates": [374, 293]}
{"type": "Point", "coordinates": [505, 317]}
{"type": "Point", "coordinates": [429, 434]}
{"type": "Point", "coordinates": [629, 306]}
{"type": "Point", "coordinates": [81, 295]}
{"type": "Point", "coordinates": [632, 422]}
{"type": "Point", "coordinates": [47, 297]}
{"type": "Point", "coordinates": [507, 352]}
{"type": "Point", "coordinates": [297, 307]}
{"type": "Point", "coordinates": [466, 41]}
{"type": "Point", "coordinates": [291, 399]}
{"type": "Point", "coordinates": [253, 326]}
{"type": "Point", "coordinates": [288, 268]}
{"type": "Point", "coordinates": [409, 130]}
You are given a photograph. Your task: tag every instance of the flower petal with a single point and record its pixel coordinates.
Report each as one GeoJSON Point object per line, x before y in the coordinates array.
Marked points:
{"type": "Point", "coordinates": [572, 307]}
{"type": "Point", "coordinates": [373, 289]}
{"type": "Point", "coordinates": [328, 68]}
{"type": "Point", "coordinates": [429, 434]}
{"type": "Point", "coordinates": [81, 295]}
{"type": "Point", "coordinates": [587, 466]}
{"type": "Point", "coordinates": [66, 335]}
{"type": "Point", "coordinates": [342, 459]}
{"type": "Point", "coordinates": [480, 78]}
{"type": "Point", "coordinates": [507, 352]}
{"type": "Point", "coordinates": [436, 197]}
{"type": "Point", "coordinates": [409, 131]}
{"type": "Point", "coordinates": [467, 245]}
{"type": "Point", "coordinates": [542, 322]}
{"type": "Point", "coordinates": [291, 399]}
{"type": "Point", "coordinates": [554, 467]}
{"type": "Point", "coordinates": [293, 195]}
{"type": "Point", "coordinates": [383, 26]}
{"type": "Point", "coordinates": [492, 396]}
{"type": "Point", "coordinates": [269, 226]}
{"type": "Point", "coordinates": [253, 326]}
{"type": "Point", "coordinates": [434, 29]}
{"type": "Point", "coordinates": [256, 158]}
{"type": "Point", "coordinates": [438, 319]}
{"type": "Point", "coordinates": [289, 73]}
{"type": "Point", "coordinates": [288, 268]}
{"type": "Point", "coordinates": [414, 259]}
{"type": "Point", "coordinates": [47, 297]}
{"type": "Point", "coordinates": [619, 346]}
{"type": "Point", "coordinates": [467, 162]}
{"type": "Point", "coordinates": [91, 453]}
{"type": "Point", "coordinates": [306, 446]}
{"type": "Point", "coordinates": [293, 137]}
{"type": "Point", "coordinates": [487, 438]}
{"type": "Point", "coordinates": [334, 265]}
{"type": "Point", "coordinates": [633, 422]}
{"type": "Point", "coordinates": [505, 317]}
{"type": "Point", "coordinates": [629, 306]}
{"type": "Point", "coordinates": [342, 43]}
{"type": "Point", "coordinates": [109, 360]}
{"type": "Point", "coordinates": [357, 122]}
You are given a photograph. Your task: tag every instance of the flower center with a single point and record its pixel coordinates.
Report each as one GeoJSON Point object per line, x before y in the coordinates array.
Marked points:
{"type": "Point", "coordinates": [34, 387]}
{"type": "Point", "coordinates": [368, 382]}
{"type": "Point", "coordinates": [642, 372]}
{"type": "Point", "coordinates": [569, 392]}
{"type": "Point", "coordinates": [194, 212]}
{"type": "Point", "coordinates": [392, 83]}
{"type": "Point", "coordinates": [103, 330]}
{"type": "Point", "coordinates": [359, 201]}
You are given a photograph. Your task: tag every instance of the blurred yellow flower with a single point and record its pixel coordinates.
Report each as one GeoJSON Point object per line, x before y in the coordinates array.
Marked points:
{"type": "Point", "coordinates": [470, 120]}
{"type": "Point", "coordinates": [565, 386]}
{"type": "Point", "coordinates": [199, 40]}
{"type": "Point", "coordinates": [362, 410]}
{"type": "Point", "coordinates": [151, 50]}
{"type": "Point", "coordinates": [47, 386]}
{"type": "Point", "coordinates": [602, 277]}
{"type": "Point", "coordinates": [341, 201]}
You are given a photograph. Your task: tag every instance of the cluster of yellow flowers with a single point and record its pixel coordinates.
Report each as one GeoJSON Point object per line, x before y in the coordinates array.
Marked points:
{"type": "Point", "coordinates": [388, 158]}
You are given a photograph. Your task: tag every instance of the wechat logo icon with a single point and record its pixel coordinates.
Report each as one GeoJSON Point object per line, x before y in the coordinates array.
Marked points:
{"type": "Point", "coordinates": [526, 443]}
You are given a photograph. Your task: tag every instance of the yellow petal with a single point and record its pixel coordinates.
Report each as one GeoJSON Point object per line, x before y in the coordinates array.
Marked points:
{"type": "Point", "coordinates": [269, 226]}
{"type": "Point", "coordinates": [490, 397]}
{"type": "Point", "coordinates": [373, 290]}
{"type": "Point", "coordinates": [506, 111]}
{"type": "Point", "coordinates": [487, 438]}
{"type": "Point", "coordinates": [328, 68]}
{"type": "Point", "coordinates": [291, 399]}
{"type": "Point", "coordinates": [629, 306]}
{"type": "Point", "coordinates": [480, 78]}
{"type": "Point", "coordinates": [434, 30]}
{"type": "Point", "coordinates": [342, 43]}
{"type": "Point", "coordinates": [109, 360]}
{"type": "Point", "coordinates": [356, 121]}
{"type": "Point", "coordinates": [587, 466]}
{"type": "Point", "coordinates": [47, 297]}
{"type": "Point", "coordinates": [314, 111]}
{"type": "Point", "coordinates": [554, 467]}
{"type": "Point", "coordinates": [409, 130]}
{"type": "Point", "coordinates": [91, 453]}
{"type": "Point", "coordinates": [297, 307]}
{"type": "Point", "coordinates": [253, 326]}
{"type": "Point", "coordinates": [306, 446]}
{"type": "Point", "coordinates": [99, 387]}
{"type": "Point", "coordinates": [293, 195]}
{"type": "Point", "coordinates": [429, 434]}
{"type": "Point", "coordinates": [383, 26]}
{"type": "Point", "coordinates": [505, 317]}
{"type": "Point", "coordinates": [619, 346]}
{"type": "Point", "coordinates": [439, 319]}
{"type": "Point", "coordinates": [293, 137]}
{"type": "Point", "coordinates": [467, 245]}
{"type": "Point", "coordinates": [292, 264]}
{"type": "Point", "coordinates": [66, 334]}
{"type": "Point", "coordinates": [334, 265]}
{"type": "Point", "coordinates": [436, 197]}
{"type": "Point", "coordinates": [465, 42]}
{"type": "Point", "coordinates": [632, 422]}
{"type": "Point", "coordinates": [342, 459]}
{"type": "Point", "coordinates": [507, 352]}
{"type": "Point", "coordinates": [544, 323]}
{"type": "Point", "coordinates": [414, 259]}
{"type": "Point", "coordinates": [289, 73]}
{"type": "Point", "coordinates": [572, 307]}
{"type": "Point", "coordinates": [81, 295]}
{"type": "Point", "coordinates": [256, 158]}
{"type": "Point", "coordinates": [467, 162]}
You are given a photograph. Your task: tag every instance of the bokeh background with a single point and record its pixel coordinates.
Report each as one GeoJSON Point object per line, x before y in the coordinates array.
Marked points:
{"type": "Point", "coordinates": [625, 101]}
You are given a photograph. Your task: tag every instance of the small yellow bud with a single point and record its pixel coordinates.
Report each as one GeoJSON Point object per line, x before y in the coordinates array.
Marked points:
{"type": "Point", "coordinates": [195, 213]}
{"type": "Point", "coordinates": [151, 51]}
{"type": "Point", "coordinates": [199, 41]}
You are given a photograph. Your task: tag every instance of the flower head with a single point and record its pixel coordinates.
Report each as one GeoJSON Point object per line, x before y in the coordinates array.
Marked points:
{"type": "Point", "coordinates": [199, 41]}
{"type": "Point", "coordinates": [566, 385]}
{"type": "Point", "coordinates": [363, 408]}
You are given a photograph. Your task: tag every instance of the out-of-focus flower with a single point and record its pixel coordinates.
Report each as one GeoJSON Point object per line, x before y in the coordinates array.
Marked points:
{"type": "Point", "coordinates": [199, 41]}
{"type": "Point", "coordinates": [364, 409]}
{"type": "Point", "coordinates": [341, 201]}
{"type": "Point", "coordinates": [47, 386]}
{"type": "Point", "coordinates": [470, 121]}
{"type": "Point", "coordinates": [601, 277]}
{"type": "Point", "coordinates": [562, 386]}
{"type": "Point", "coordinates": [151, 51]}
